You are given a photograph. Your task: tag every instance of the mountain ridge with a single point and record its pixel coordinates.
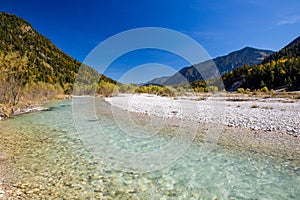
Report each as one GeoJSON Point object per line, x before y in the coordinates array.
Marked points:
{"type": "Point", "coordinates": [228, 62]}
{"type": "Point", "coordinates": [280, 70]}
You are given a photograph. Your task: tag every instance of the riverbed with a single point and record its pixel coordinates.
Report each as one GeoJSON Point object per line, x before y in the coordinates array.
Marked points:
{"type": "Point", "coordinates": [56, 154]}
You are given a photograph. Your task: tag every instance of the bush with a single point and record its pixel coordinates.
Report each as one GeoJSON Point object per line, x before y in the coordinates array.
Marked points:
{"type": "Point", "coordinates": [142, 89]}
{"type": "Point", "coordinates": [180, 89]}
{"type": "Point", "coordinates": [41, 91]}
{"type": "Point", "coordinates": [264, 89]}
{"type": "Point", "coordinates": [213, 89]}
{"type": "Point", "coordinates": [127, 88]}
{"type": "Point", "coordinates": [123, 88]}
{"type": "Point", "coordinates": [167, 91]}
{"type": "Point", "coordinates": [154, 89]}
{"type": "Point", "coordinates": [157, 90]}
{"type": "Point", "coordinates": [199, 89]}
{"type": "Point", "coordinates": [240, 90]}
{"type": "Point", "coordinates": [273, 93]}
{"type": "Point", "coordinates": [107, 89]}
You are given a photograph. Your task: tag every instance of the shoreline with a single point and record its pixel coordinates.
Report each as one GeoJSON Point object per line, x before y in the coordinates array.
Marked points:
{"type": "Point", "coordinates": [274, 143]}
{"type": "Point", "coordinates": [277, 144]}
{"type": "Point", "coordinates": [26, 107]}
{"type": "Point", "coordinates": [31, 108]}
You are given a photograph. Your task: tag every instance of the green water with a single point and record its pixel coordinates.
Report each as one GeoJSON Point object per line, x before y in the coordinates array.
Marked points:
{"type": "Point", "coordinates": [57, 158]}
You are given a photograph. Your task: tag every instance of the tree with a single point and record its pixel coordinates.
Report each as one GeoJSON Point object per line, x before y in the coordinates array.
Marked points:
{"type": "Point", "coordinates": [106, 89]}
{"type": "Point", "coordinates": [13, 78]}
{"type": "Point", "coordinates": [262, 84]}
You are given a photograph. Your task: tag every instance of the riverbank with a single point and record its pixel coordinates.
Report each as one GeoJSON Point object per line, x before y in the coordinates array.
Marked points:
{"type": "Point", "coordinates": [25, 107]}
{"type": "Point", "coordinates": [10, 111]}
{"type": "Point", "coordinates": [254, 113]}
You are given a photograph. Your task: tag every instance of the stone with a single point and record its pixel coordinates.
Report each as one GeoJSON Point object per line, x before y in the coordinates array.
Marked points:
{"type": "Point", "coordinates": [1, 193]}
{"type": "Point", "coordinates": [99, 196]}
{"type": "Point", "coordinates": [130, 191]}
{"type": "Point", "coordinates": [35, 190]}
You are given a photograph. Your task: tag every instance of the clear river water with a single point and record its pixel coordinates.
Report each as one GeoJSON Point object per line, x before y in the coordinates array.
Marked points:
{"type": "Point", "coordinates": [53, 156]}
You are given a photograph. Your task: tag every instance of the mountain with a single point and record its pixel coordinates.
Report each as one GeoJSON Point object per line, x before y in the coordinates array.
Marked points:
{"type": "Point", "coordinates": [280, 70]}
{"type": "Point", "coordinates": [247, 55]}
{"type": "Point", "coordinates": [159, 81]}
{"type": "Point", "coordinates": [33, 58]}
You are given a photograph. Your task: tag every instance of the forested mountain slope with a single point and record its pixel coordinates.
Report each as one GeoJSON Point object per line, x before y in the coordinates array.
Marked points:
{"type": "Point", "coordinates": [279, 70]}
{"type": "Point", "coordinates": [27, 59]}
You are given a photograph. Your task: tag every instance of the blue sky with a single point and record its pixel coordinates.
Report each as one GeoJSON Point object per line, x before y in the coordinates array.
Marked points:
{"type": "Point", "coordinates": [78, 26]}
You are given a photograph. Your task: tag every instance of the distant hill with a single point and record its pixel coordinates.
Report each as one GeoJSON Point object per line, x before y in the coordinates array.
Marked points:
{"type": "Point", "coordinates": [280, 70]}
{"type": "Point", "coordinates": [159, 81]}
{"type": "Point", "coordinates": [247, 55]}
{"type": "Point", "coordinates": [42, 61]}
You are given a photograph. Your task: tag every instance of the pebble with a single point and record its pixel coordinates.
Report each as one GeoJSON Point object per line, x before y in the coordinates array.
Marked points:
{"type": "Point", "coordinates": [130, 191]}
{"type": "Point", "coordinates": [36, 190]}
{"type": "Point", "coordinates": [270, 115]}
{"type": "Point", "coordinates": [1, 193]}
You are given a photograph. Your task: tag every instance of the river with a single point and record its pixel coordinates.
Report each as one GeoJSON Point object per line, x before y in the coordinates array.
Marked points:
{"type": "Point", "coordinates": [72, 152]}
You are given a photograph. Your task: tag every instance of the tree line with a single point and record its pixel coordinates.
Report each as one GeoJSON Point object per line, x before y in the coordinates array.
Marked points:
{"type": "Point", "coordinates": [275, 74]}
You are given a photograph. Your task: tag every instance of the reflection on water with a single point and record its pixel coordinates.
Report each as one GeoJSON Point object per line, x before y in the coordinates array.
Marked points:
{"type": "Point", "coordinates": [50, 161]}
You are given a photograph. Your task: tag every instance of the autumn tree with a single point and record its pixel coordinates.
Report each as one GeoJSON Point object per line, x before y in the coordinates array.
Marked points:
{"type": "Point", "coordinates": [14, 75]}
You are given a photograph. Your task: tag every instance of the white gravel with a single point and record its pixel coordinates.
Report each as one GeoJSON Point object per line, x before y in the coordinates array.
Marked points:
{"type": "Point", "coordinates": [272, 114]}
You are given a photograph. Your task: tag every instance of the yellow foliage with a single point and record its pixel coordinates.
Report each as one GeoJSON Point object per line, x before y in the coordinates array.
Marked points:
{"type": "Point", "coordinates": [50, 79]}
{"type": "Point", "coordinates": [47, 65]}
{"type": "Point", "coordinates": [107, 89]}
{"type": "Point", "coordinates": [273, 63]}
{"type": "Point", "coordinates": [249, 70]}
{"type": "Point", "coordinates": [282, 60]}
{"type": "Point", "coordinates": [282, 72]}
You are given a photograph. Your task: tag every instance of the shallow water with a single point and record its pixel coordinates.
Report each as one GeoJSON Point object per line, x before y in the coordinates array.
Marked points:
{"type": "Point", "coordinates": [54, 156]}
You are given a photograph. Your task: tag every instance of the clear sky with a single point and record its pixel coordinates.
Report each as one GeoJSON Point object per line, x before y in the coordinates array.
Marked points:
{"type": "Point", "coordinates": [220, 26]}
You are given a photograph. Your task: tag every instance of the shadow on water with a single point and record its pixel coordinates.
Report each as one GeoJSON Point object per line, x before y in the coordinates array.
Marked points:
{"type": "Point", "coordinates": [55, 107]}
